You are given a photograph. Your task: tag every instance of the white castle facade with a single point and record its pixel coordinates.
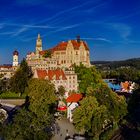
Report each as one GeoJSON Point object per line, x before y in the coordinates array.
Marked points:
{"type": "Point", "coordinates": [63, 55]}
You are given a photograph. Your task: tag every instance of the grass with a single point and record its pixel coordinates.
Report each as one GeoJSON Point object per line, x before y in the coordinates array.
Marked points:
{"type": "Point", "coordinates": [11, 95]}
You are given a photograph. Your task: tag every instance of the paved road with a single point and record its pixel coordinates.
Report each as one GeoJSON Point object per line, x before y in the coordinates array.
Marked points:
{"type": "Point", "coordinates": [62, 127]}
{"type": "Point", "coordinates": [13, 101]}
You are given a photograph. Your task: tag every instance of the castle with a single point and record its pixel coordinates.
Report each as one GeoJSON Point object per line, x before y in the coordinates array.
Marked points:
{"type": "Point", "coordinates": [63, 55]}
{"type": "Point", "coordinates": [55, 64]}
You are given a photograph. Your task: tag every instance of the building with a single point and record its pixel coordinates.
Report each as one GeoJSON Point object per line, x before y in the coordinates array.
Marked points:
{"type": "Point", "coordinates": [59, 77]}
{"type": "Point", "coordinates": [62, 55]}
{"type": "Point", "coordinates": [7, 71]}
{"type": "Point", "coordinates": [15, 58]}
{"type": "Point", "coordinates": [55, 64]}
{"type": "Point", "coordinates": [72, 104]}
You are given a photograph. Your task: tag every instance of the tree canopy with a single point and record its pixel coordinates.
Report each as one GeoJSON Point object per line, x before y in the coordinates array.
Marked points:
{"type": "Point", "coordinates": [34, 121]}
{"type": "Point", "coordinates": [47, 54]}
{"type": "Point", "coordinates": [101, 109]}
{"type": "Point", "coordinates": [20, 79]}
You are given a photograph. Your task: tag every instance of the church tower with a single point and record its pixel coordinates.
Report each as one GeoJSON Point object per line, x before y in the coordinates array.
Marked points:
{"type": "Point", "coordinates": [38, 44]}
{"type": "Point", "coordinates": [15, 58]}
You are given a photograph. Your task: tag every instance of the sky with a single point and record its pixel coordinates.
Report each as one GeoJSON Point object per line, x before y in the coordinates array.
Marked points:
{"type": "Point", "coordinates": [110, 27]}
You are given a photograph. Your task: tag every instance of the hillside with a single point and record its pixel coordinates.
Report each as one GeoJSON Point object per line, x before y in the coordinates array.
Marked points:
{"type": "Point", "coordinates": [134, 62]}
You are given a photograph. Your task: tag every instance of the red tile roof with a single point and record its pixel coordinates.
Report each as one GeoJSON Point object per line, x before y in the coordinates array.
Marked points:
{"type": "Point", "coordinates": [63, 45]}
{"type": "Point", "coordinates": [51, 73]}
{"type": "Point", "coordinates": [7, 67]}
{"type": "Point", "coordinates": [74, 97]}
{"type": "Point", "coordinates": [41, 74]}
{"type": "Point", "coordinates": [42, 52]}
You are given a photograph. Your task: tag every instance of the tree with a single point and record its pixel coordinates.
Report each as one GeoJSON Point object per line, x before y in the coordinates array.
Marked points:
{"type": "Point", "coordinates": [20, 79]}
{"type": "Point", "coordinates": [41, 95]}
{"type": "Point", "coordinates": [87, 77]}
{"type": "Point", "coordinates": [4, 85]}
{"type": "Point", "coordinates": [134, 109]}
{"type": "Point", "coordinates": [101, 110]}
{"type": "Point", "coordinates": [48, 54]}
{"type": "Point", "coordinates": [61, 91]}
{"type": "Point", "coordinates": [34, 122]}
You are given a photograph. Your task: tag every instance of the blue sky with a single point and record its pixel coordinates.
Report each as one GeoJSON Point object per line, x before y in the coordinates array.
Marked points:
{"type": "Point", "coordinates": [110, 27]}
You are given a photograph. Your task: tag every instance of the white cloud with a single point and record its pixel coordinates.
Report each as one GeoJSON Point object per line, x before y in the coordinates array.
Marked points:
{"type": "Point", "coordinates": [1, 25]}
{"type": "Point", "coordinates": [7, 33]}
{"type": "Point", "coordinates": [31, 26]}
{"type": "Point", "coordinates": [19, 31]}
{"type": "Point", "coordinates": [123, 29]}
{"type": "Point", "coordinates": [98, 39]}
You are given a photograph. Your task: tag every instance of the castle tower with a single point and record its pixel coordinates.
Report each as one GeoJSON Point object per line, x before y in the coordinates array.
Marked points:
{"type": "Point", "coordinates": [38, 44]}
{"type": "Point", "coordinates": [15, 58]}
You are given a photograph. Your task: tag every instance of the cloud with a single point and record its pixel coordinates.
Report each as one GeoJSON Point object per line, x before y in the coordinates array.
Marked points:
{"type": "Point", "coordinates": [21, 30]}
{"type": "Point", "coordinates": [123, 29]}
{"type": "Point", "coordinates": [1, 26]}
{"type": "Point", "coordinates": [66, 11]}
{"type": "Point", "coordinates": [49, 33]}
{"type": "Point", "coordinates": [7, 33]}
{"type": "Point", "coordinates": [31, 26]}
{"type": "Point", "coordinates": [97, 39]}
{"type": "Point", "coordinates": [64, 28]}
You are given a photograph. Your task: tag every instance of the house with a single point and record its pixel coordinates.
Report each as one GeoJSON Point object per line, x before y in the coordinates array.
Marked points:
{"type": "Point", "coordinates": [59, 77]}
{"type": "Point", "coordinates": [72, 103]}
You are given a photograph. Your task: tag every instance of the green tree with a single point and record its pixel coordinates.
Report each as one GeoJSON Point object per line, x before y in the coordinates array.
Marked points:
{"type": "Point", "coordinates": [134, 109]}
{"type": "Point", "coordinates": [20, 79]}
{"type": "Point", "coordinates": [101, 110]}
{"type": "Point", "coordinates": [61, 91]}
{"type": "Point", "coordinates": [4, 85]}
{"type": "Point", "coordinates": [87, 77]}
{"type": "Point", "coordinates": [34, 121]}
{"type": "Point", "coordinates": [47, 54]}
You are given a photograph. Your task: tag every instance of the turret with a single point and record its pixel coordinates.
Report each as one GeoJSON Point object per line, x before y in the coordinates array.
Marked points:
{"type": "Point", "coordinates": [38, 44]}
{"type": "Point", "coordinates": [15, 58]}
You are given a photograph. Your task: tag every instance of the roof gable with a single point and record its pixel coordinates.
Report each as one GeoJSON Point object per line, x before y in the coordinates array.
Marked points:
{"type": "Point", "coordinates": [51, 74]}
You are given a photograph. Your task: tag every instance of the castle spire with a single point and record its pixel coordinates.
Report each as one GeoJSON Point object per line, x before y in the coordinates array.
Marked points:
{"type": "Point", "coordinates": [38, 36]}
{"type": "Point", "coordinates": [38, 44]}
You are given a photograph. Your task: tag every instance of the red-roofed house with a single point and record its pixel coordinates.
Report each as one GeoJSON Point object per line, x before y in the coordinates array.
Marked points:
{"type": "Point", "coordinates": [58, 77]}
{"type": "Point", "coordinates": [72, 103]}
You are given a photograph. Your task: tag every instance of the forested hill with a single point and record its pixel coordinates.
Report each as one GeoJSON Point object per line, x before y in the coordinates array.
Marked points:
{"type": "Point", "coordinates": [135, 62]}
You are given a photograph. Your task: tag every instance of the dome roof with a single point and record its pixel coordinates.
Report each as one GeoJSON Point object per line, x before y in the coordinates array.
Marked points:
{"type": "Point", "coordinates": [15, 52]}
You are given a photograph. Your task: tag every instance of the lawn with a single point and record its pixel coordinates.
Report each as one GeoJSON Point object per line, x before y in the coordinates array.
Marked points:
{"type": "Point", "coordinates": [11, 95]}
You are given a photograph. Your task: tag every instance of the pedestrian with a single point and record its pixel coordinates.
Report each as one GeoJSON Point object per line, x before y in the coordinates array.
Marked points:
{"type": "Point", "coordinates": [67, 134]}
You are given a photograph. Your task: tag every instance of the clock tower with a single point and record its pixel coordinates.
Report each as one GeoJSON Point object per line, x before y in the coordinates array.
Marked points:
{"type": "Point", "coordinates": [15, 58]}
{"type": "Point", "coordinates": [38, 44]}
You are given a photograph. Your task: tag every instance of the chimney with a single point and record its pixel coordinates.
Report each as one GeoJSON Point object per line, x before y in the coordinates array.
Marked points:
{"type": "Point", "coordinates": [78, 39]}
